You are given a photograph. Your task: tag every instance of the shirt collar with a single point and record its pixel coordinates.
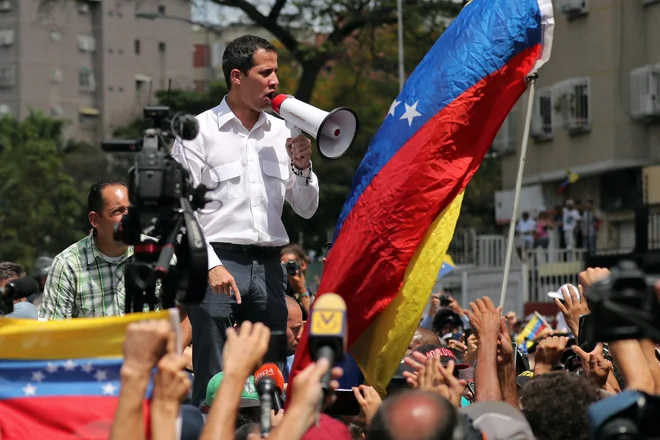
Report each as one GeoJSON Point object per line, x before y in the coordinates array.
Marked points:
{"type": "Point", "coordinates": [92, 252]}
{"type": "Point", "coordinates": [225, 115]}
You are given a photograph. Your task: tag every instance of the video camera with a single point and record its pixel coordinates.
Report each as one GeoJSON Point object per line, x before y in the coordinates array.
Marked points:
{"type": "Point", "coordinates": [624, 305]}
{"type": "Point", "coordinates": [161, 195]}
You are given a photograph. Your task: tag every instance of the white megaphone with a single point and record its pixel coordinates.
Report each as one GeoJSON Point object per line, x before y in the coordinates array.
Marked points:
{"type": "Point", "coordinates": [334, 132]}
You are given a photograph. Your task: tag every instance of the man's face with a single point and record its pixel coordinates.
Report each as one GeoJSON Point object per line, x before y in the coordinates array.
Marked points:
{"type": "Point", "coordinates": [259, 86]}
{"type": "Point", "coordinates": [115, 206]}
{"type": "Point", "coordinates": [294, 327]}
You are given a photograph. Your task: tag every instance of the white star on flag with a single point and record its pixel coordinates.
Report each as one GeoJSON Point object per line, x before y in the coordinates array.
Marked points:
{"type": "Point", "coordinates": [51, 367]}
{"type": "Point", "coordinates": [38, 376]}
{"type": "Point", "coordinates": [109, 389]}
{"type": "Point", "coordinates": [411, 113]}
{"type": "Point", "coordinates": [87, 368]}
{"type": "Point", "coordinates": [30, 390]}
{"type": "Point", "coordinates": [393, 106]}
{"type": "Point", "coordinates": [70, 365]}
{"type": "Point", "coordinates": [101, 375]}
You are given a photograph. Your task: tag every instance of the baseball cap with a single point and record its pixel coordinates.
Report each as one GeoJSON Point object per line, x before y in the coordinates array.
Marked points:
{"type": "Point", "coordinates": [249, 397]}
{"type": "Point", "coordinates": [559, 295]}
{"type": "Point", "coordinates": [524, 377]}
{"type": "Point", "coordinates": [499, 421]}
{"type": "Point", "coordinates": [445, 354]}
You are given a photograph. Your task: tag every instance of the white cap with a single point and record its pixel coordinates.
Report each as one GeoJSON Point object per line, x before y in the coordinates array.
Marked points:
{"type": "Point", "coordinates": [558, 294]}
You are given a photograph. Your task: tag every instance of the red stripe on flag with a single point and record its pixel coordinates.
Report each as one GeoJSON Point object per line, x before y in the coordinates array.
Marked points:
{"type": "Point", "coordinates": [59, 417]}
{"type": "Point", "coordinates": [420, 181]}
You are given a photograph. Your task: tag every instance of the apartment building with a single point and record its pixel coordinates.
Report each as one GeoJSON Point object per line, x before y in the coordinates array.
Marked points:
{"type": "Point", "coordinates": [91, 62]}
{"type": "Point", "coordinates": [596, 113]}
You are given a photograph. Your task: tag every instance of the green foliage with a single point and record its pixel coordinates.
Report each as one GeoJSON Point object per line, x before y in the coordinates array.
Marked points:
{"type": "Point", "coordinates": [42, 205]}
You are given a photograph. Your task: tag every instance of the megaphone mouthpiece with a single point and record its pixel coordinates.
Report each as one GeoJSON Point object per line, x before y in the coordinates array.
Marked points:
{"type": "Point", "coordinates": [334, 131]}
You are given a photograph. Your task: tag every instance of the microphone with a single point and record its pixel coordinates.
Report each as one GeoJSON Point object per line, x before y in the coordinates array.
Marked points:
{"type": "Point", "coordinates": [265, 389]}
{"type": "Point", "coordinates": [327, 334]}
{"type": "Point", "coordinates": [273, 372]}
{"type": "Point", "coordinates": [186, 126]}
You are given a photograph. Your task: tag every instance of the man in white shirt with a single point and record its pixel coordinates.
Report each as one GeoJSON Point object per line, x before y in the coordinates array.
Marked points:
{"type": "Point", "coordinates": [570, 221]}
{"type": "Point", "coordinates": [251, 165]}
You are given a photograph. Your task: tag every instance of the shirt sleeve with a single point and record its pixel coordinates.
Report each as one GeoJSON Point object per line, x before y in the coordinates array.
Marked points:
{"type": "Point", "coordinates": [303, 195]}
{"type": "Point", "coordinates": [191, 155]}
{"type": "Point", "coordinates": [59, 292]}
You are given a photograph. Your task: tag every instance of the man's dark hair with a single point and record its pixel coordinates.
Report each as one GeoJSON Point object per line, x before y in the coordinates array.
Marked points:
{"type": "Point", "coordinates": [95, 198]}
{"type": "Point", "coordinates": [445, 316]}
{"type": "Point", "coordinates": [445, 422]}
{"type": "Point", "coordinates": [10, 270]}
{"type": "Point", "coordinates": [239, 55]}
{"type": "Point", "coordinates": [295, 250]}
{"type": "Point", "coordinates": [556, 404]}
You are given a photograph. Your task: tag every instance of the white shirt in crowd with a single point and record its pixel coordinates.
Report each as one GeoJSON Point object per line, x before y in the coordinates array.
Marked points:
{"type": "Point", "coordinates": [249, 176]}
{"type": "Point", "coordinates": [570, 219]}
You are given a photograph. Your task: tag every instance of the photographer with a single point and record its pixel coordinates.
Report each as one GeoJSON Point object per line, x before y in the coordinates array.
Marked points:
{"type": "Point", "coordinates": [295, 262]}
{"type": "Point", "coordinates": [252, 165]}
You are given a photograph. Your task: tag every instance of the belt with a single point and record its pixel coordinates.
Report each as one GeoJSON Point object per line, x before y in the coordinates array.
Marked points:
{"type": "Point", "coordinates": [250, 250]}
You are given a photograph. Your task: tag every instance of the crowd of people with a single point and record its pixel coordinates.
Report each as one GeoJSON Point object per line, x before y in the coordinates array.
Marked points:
{"type": "Point", "coordinates": [462, 376]}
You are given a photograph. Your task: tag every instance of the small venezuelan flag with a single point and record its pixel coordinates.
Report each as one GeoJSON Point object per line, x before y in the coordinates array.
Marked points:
{"type": "Point", "coordinates": [534, 327]}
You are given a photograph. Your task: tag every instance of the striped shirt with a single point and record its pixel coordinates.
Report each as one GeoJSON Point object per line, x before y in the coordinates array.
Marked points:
{"type": "Point", "coordinates": [84, 283]}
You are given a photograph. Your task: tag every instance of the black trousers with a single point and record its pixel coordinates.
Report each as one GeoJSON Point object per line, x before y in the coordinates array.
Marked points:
{"type": "Point", "coordinates": [261, 280]}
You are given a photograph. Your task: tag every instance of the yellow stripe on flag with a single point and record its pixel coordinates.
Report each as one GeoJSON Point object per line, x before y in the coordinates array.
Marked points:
{"type": "Point", "coordinates": [379, 350]}
{"type": "Point", "coordinates": [69, 339]}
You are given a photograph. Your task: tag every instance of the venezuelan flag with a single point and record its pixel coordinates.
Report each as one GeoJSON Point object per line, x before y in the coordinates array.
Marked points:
{"type": "Point", "coordinates": [398, 221]}
{"type": "Point", "coordinates": [60, 379]}
{"type": "Point", "coordinates": [534, 327]}
{"type": "Point", "coordinates": [571, 177]}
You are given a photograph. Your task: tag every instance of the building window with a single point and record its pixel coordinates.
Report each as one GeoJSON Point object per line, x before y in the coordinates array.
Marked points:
{"type": "Point", "coordinates": [5, 5]}
{"type": "Point", "coordinates": [542, 115]}
{"type": "Point", "coordinates": [5, 109]}
{"type": "Point", "coordinates": [161, 9]}
{"type": "Point", "coordinates": [6, 37]}
{"type": "Point", "coordinates": [136, 44]}
{"type": "Point", "coordinates": [86, 43]}
{"type": "Point", "coordinates": [56, 111]}
{"type": "Point", "coordinates": [162, 47]}
{"type": "Point", "coordinates": [574, 8]}
{"type": "Point", "coordinates": [7, 76]}
{"type": "Point", "coordinates": [86, 79]}
{"type": "Point", "coordinates": [570, 101]}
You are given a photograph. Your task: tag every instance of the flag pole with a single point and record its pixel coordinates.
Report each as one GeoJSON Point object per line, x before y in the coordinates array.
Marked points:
{"type": "Point", "coordinates": [516, 195]}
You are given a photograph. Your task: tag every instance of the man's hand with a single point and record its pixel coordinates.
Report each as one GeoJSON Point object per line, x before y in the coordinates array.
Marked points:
{"type": "Point", "coordinates": [548, 353]}
{"type": "Point", "coordinates": [221, 281]}
{"type": "Point", "coordinates": [171, 384]}
{"type": "Point", "coordinates": [297, 282]}
{"type": "Point", "coordinates": [595, 366]}
{"type": "Point", "coordinates": [300, 151]}
{"type": "Point", "coordinates": [145, 344]}
{"type": "Point", "coordinates": [472, 350]}
{"type": "Point", "coordinates": [432, 376]}
{"type": "Point", "coordinates": [243, 351]}
{"type": "Point", "coordinates": [455, 307]}
{"type": "Point", "coordinates": [369, 401]}
{"type": "Point", "coordinates": [505, 354]}
{"type": "Point", "coordinates": [572, 307]}
{"type": "Point", "coordinates": [307, 390]}
{"type": "Point", "coordinates": [484, 318]}
{"type": "Point", "coordinates": [591, 275]}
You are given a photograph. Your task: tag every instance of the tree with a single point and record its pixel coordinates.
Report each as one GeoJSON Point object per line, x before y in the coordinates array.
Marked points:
{"type": "Point", "coordinates": [43, 206]}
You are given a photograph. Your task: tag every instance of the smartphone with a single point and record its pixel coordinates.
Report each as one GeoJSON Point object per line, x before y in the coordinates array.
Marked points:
{"type": "Point", "coordinates": [585, 330]}
{"type": "Point", "coordinates": [345, 405]}
{"type": "Point", "coordinates": [276, 347]}
{"type": "Point", "coordinates": [467, 332]}
{"type": "Point", "coordinates": [515, 357]}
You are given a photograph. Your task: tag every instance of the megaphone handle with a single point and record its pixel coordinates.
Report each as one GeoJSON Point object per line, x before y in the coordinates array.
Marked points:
{"type": "Point", "coordinates": [295, 131]}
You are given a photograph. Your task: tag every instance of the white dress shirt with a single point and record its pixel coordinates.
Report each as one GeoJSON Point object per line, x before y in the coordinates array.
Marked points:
{"type": "Point", "coordinates": [248, 173]}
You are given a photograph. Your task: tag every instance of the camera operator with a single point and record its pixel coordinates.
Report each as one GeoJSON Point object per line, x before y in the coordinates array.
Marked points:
{"type": "Point", "coordinates": [252, 166]}
{"type": "Point", "coordinates": [294, 260]}
{"type": "Point", "coordinates": [22, 308]}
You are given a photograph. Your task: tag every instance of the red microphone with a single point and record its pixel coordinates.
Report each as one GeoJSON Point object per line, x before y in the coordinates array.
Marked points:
{"type": "Point", "coordinates": [272, 372]}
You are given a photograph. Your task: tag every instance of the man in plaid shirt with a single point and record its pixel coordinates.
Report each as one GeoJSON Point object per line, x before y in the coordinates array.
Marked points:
{"type": "Point", "coordinates": [87, 279]}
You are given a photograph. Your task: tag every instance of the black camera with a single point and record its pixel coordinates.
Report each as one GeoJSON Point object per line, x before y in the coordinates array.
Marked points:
{"type": "Point", "coordinates": [624, 306]}
{"type": "Point", "coordinates": [445, 300]}
{"type": "Point", "coordinates": [162, 196]}
{"type": "Point", "coordinates": [292, 267]}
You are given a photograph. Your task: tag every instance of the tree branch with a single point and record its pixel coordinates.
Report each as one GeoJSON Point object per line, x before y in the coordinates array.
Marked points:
{"type": "Point", "coordinates": [377, 18]}
{"type": "Point", "coordinates": [277, 8]}
{"type": "Point", "coordinates": [282, 34]}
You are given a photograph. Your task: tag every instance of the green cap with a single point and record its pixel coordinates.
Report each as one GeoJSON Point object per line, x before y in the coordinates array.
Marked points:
{"type": "Point", "coordinates": [249, 398]}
